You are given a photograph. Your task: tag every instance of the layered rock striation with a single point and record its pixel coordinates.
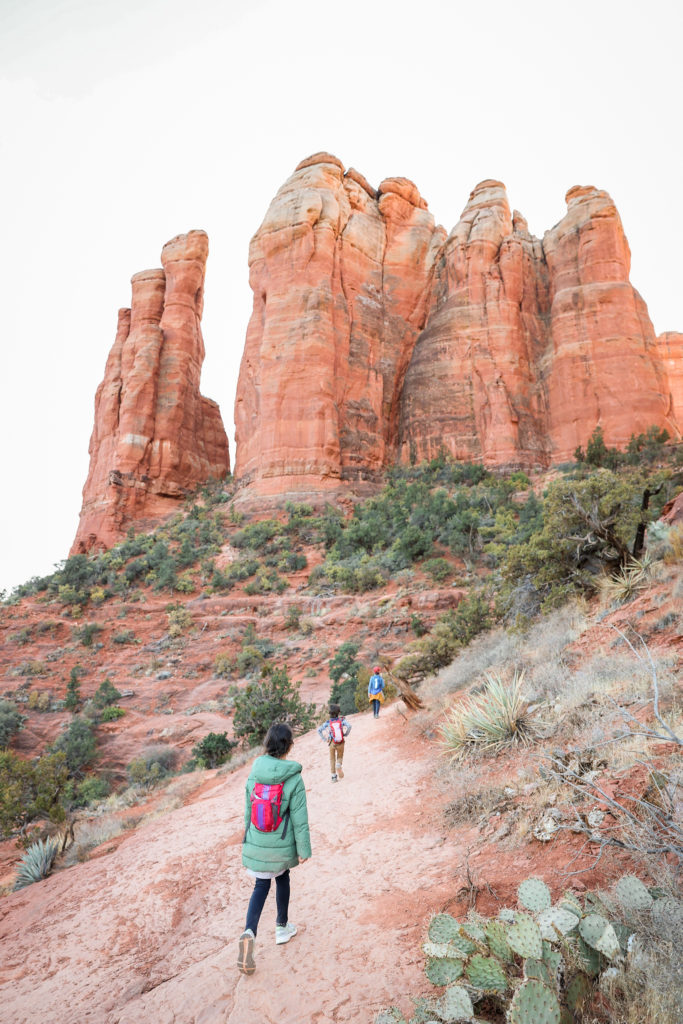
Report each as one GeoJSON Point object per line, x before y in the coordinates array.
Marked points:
{"type": "Point", "coordinates": [376, 337]}
{"type": "Point", "coordinates": [155, 436]}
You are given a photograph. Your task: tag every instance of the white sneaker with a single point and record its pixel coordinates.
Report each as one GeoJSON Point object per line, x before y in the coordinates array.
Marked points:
{"type": "Point", "coordinates": [333, 779]}
{"type": "Point", "coordinates": [284, 932]}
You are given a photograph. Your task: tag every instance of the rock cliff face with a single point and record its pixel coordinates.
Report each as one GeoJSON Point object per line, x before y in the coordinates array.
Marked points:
{"type": "Point", "coordinates": [375, 336]}
{"type": "Point", "coordinates": [155, 437]}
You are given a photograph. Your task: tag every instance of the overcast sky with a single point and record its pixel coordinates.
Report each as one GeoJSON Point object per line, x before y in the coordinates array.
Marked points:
{"type": "Point", "coordinates": [126, 122]}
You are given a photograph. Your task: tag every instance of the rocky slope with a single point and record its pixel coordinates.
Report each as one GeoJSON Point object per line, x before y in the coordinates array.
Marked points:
{"type": "Point", "coordinates": [375, 336]}
{"type": "Point", "coordinates": [155, 437]}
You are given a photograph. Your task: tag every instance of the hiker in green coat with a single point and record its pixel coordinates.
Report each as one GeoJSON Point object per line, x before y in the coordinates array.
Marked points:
{"type": "Point", "coordinates": [276, 836]}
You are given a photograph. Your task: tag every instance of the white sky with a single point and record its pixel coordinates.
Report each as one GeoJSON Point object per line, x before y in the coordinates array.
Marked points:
{"type": "Point", "coordinates": [126, 122]}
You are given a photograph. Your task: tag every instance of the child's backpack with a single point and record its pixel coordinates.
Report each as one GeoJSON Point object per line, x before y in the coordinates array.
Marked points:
{"type": "Point", "coordinates": [265, 807]}
{"type": "Point", "coordinates": [336, 730]}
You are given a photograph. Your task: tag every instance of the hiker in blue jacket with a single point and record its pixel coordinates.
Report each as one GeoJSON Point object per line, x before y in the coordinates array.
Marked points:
{"type": "Point", "coordinates": [376, 691]}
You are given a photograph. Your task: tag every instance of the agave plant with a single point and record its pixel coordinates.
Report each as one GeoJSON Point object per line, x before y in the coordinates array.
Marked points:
{"type": "Point", "coordinates": [37, 862]}
{"type": "Point", "coordinates": [628, 581]}
{"type": "Point", "coordinates": [489, 720]}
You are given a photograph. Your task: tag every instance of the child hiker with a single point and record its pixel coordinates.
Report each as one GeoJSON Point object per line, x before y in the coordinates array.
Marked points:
{"type": "Point", "coordinates": [376, 691]}
{"type": "Point", "coordinates": [334, 731]}
{"type": "Point", "coordinates": [276, 837]}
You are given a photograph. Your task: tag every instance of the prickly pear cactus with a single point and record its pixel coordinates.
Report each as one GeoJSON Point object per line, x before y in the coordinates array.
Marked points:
{"type": "Point", "coordinates": [390, 1016]}
{"type": "Point", "coordinates": [443, 928]}
{"type": "Point", "coordinates": [599, 934]}
{"type": "Point", "coordinates": [443, 970]}
{"type": "Point", "coordinates": [524, 937]}
{"type": "Point", "coordinates": [534, 1003]}
{"type": "Point", "coordinates": [454, 1004]}
{"type": "Point", "coordinates": [496, 938]}
{"type": "Point", "coordinates": [632, 894]}
{"type": "Point", "coordinates": [507, 915]}
{"type": "Point", "coordinates": [486, 973]}
{"type": "Point", "coordinates": [555, 920]}
{"type": "Point", "coordinates": [534, 894]}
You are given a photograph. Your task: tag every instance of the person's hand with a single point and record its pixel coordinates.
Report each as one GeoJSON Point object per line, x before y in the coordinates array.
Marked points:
{"type": "Point", "coordinates": [302, 860]}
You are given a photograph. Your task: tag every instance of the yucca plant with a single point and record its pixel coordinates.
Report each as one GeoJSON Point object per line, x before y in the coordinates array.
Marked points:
{"type": "Point", "coordinates": [37, 862]}
{"type": "Point", "coordinates": [489, 720]}
{"type": "Point", "coordinates": [628, 581]}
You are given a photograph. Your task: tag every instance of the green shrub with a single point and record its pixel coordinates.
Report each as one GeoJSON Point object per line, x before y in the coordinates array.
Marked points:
{"type": "Point", "coordinates": [152, 766]}
{"type": "Point", "coordinates": [77, 743]}
{"type": "Point", "coordinates": [126, 636]}
{"type": "Point", "coordinates": [274, 698]}
{"type": "Point", "coordinates": [91, 790]}
{"type": "Point", "coordinates": [31, 790]}
{"type": "Point", "coordinates": [73, 689]}
{"type": "Point", "coordinates": [257, 535]}
{"type": "Point", "coordinates": [11, 721]}
{"type": "Point", "coordinates": [111, 713]}
{"type": "Point", "coordinates": [214, 750]}
{"type": "Point", "coordinates": [223, 664]}
{"type": "Point", "coordinates": [87, 633]}
{"type": "Point", "coordinates": [438, 568]}
{"type": "Point", "coordinates": [106, 694]}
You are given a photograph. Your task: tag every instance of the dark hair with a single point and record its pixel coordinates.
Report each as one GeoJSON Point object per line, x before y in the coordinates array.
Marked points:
{"type": "Point", "coordinates": [334, 710]}
{"type": "Point", "coordinates": [279, 739]}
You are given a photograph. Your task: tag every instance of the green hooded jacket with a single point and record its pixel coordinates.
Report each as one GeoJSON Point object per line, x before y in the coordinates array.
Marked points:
{"type": "Point", "coordinates": [269, 851]}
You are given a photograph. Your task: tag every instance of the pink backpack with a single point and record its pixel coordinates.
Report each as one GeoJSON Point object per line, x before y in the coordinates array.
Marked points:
{"type": "Point", "coordinates": [336, 730]}
{"type": "Point", "coordinates": [265, 806]}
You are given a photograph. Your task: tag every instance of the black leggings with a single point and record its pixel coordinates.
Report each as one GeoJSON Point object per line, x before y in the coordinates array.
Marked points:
{"type": "Point", "coordinates": [258, 899]}
{"type": "Point", "coordinates": [375, 707]}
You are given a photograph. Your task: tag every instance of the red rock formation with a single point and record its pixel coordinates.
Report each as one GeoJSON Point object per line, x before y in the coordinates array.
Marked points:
{"type": "Point", "coordinates": [670, 350]}
{"type": "Point", "coordinates": [155, 437]}
{"type": "Point", "coordinates": [340, 276]}
{"type": "Point", "coordinates": [375, 337]}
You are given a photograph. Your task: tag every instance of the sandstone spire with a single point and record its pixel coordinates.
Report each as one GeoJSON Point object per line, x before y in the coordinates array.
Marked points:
{"type": "Point", "coordinates": [154, 437]}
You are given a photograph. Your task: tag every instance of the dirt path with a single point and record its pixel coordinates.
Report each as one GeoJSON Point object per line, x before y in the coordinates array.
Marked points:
{"type": "Point", "coordinates": [149, 932]}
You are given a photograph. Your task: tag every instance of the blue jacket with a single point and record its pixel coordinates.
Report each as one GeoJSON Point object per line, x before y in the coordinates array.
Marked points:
{"type": "Point", "coordinates": [375, 686]}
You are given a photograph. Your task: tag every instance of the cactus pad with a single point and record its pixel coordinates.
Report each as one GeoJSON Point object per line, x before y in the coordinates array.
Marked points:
{"type": "Point", "coordinates": [524, 937]}
{"type": "Point", "coordinates": [474, 931]}
{"type": "Point", "coordinates": [440, 949]}
{"type": "Point", "coordinates": [455, 1004]}
{"type": "Point", "coordinates": [443, 928]}
{"type": "Point", "coordinates": [632, 894]}
{"type": "Point", "coordinates": [599, 934]}
{"type": "Point", "coordinates": [534, 1003]}
{"type": "Point", "coordinates": [506, 915]}
{"type": "Point", "coordinates": [539, 970]}
{"type": "Point", "coordinates": [590, 959]}
{"type": "Point", "coordinates": [534, 894]}
{"type": "Point", "coordinates": [553, 958]}
{"type": "Point", "coordinates": [486, 973]}
{"type": "Point", "coordinates": [496, 937]}
{"type": "Point", "coordinates": [578, 991]}
{"type": "Point", "coordinates": [667, 917]}
{"type": "Point", "coordinates": [570, 902]}
{"type": "Point", "coordinates": [555, 920]}
{"type": "Point", "coordinates": [443, 970]}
